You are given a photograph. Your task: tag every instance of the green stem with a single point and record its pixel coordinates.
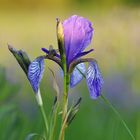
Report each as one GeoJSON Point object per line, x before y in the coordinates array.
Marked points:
{"type": "Point", "coordinates": [64, 126]}
{"type": "Point", "coordinates": [53, 122]}
{"type": "Point", "coordinates": [40, 104]}
{"type": "Point", "coordinates": [62, 132]}
{"type": "Point", "coordinates": [65, 96]}
{"type": "Point", "coordinates": [65, 104]}
{"type": "Point", "coordinates": [45, 119]}
{"type": "Point", "coordinates": [61, 46]}
{"type": "Point", "coordinates": [54, 127]}
{"type": "Point", "coordinates": [118, 115]}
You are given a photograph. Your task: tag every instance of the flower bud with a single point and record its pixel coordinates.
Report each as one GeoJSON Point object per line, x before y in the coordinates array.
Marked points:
{"type": "Point", "coordinates": [60, 33]}
{"type": "Point", "coordinates": [60, 38]}
{"type": "Point", "coordinates": [21, 57]}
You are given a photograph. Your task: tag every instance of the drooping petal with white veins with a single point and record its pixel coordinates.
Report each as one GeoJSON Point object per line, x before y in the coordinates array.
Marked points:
{"type": "Point", "coordinates": [35, 73]}
{"type": "Point", "coordinates": [94, 80]}
{"type": "Point", "coordinates": [77, 74]}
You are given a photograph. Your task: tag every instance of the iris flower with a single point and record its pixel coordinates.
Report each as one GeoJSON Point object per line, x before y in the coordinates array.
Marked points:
{"type": "Point", "coordinates": [74, 36]}
{"type": "Point", "coordinates": [77, 33]}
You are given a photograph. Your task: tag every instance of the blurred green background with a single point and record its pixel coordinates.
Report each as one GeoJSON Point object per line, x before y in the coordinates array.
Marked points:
{"type": "Point", "coordinates": [30, 25]}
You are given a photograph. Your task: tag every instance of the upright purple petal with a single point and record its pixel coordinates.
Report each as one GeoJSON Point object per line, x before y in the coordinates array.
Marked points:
{"type": "Point", "coordinates": [94, 80]}
{"type": "Point", "coordinates": [77, 74]}
{"type": "Point", "coordinates": [78, 33]}
{"type": "Point", "coordinates": [35, 73]}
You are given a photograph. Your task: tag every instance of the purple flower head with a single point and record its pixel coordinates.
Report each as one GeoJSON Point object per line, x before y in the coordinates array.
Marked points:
{"type": "Point", "coordinates": [74, 36]}
{"type": "Point", "coordinates": [78, 33]}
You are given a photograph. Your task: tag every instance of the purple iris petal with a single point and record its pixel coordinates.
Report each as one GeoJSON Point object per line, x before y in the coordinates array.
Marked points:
{"type": "Point", "coordinates": [35, 73]}
{"type": "Point", "coordinates": [77, 74]}
{"type": "Point", "coordinates": [94, 80]}
{"type": "Point", "coordinates": [78, 33]}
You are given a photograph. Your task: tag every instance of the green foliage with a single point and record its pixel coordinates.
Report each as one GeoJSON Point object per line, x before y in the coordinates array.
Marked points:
{"type": "Point", "coordinates": [73, 112]}
{"type": "Point", "coordinates": [7, 90]}
{"type": "Point", "coordinates": [7, 109]}
{"type": "Point", "coordinates": [93, 121]}
{"type": "Point", "coordinates": [14, 124]}
{"type": "Point", "coordinates": [32, 135]}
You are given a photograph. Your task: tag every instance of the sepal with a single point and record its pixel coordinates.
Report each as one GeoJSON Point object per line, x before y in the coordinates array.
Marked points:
{"type": "Point", "coordinates": [77, 74]}
{"type": "Point", "coordinates": [35, 73]}
{"type": "Point", "coordinates": [94, 80]}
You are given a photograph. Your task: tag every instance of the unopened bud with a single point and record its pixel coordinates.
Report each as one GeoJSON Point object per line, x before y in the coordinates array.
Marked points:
{"type": "Point", "coordinates": [60, 38]}
{"type": "Point", "coordinates": [21, 57]}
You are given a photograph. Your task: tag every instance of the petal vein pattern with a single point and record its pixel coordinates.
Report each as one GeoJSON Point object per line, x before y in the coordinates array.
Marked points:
{"type": "Point", "coordinates": [35, 73]}
{"type": "Point", "coordinates": [94, 80]}
{"type": "Point", "coordinates": [77, 74]}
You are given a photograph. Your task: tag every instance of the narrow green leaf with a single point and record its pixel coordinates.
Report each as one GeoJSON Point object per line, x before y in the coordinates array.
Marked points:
{"type": "Point", "coordinates": [33, 135]}
{"type": "Point", "coordinates": [73, 111]}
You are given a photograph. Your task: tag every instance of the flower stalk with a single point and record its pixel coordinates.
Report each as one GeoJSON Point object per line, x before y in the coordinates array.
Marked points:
{"type": "Point", "coordinates": [53, 122]}
{"type": "Point", "coordinates": [45, 119]}
{"type": "Point", "coordinates": [40, 104]}
{"type": "Point", "coordinates": [66, 82]}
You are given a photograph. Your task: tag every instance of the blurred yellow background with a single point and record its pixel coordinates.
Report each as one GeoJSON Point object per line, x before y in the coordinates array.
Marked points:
{"type": "Point", "coordinates": [31, 25]}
